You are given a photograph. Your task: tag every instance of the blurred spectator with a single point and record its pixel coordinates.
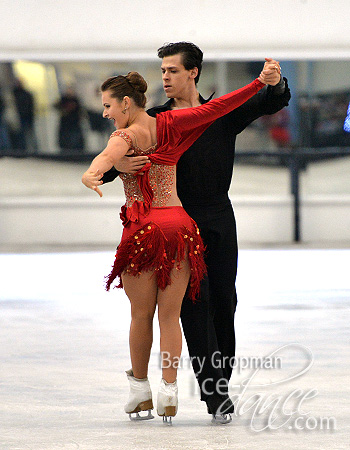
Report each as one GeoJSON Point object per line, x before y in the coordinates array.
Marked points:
{"type": "Point", "coordinates": [71, 139]}
{"type": "Point", "coordinates": [322, 119]}
{"type": "Point", "coordinates": [102, 127]}
{"type": "Point", "coordinates": [24, 137]}
{"type": "Point", "coordinates": [11, 121]}
{"type": "Point", "coordinates": [278, 128]}
{"type": "Point", "coordinates": [4, 136]}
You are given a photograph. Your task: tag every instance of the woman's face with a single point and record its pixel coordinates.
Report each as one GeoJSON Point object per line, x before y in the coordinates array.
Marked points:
{"type": "Point", "coordinates": [113, 110]}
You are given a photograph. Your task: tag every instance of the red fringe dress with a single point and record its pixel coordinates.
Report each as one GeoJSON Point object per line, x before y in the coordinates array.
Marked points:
{"type": "Point", "coordinates": [157, 237]}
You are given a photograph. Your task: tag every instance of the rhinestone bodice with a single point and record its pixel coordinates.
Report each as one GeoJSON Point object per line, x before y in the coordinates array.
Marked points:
{"type": "Point", "coordinates": [161, 180]}
{"type": "Point", "coordinates": [161, 177]}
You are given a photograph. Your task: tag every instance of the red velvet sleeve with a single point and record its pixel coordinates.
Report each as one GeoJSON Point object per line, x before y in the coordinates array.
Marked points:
{"type": "Point", "coordinates": [177, 130]}
{"type": "Point", "coordinates": [189, 118]}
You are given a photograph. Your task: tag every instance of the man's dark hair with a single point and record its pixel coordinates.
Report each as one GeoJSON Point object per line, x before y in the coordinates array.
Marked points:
{"type": "Point", "coordinates": [192, 56]}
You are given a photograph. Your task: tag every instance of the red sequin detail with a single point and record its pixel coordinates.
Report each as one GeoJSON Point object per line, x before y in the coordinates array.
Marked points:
{"type": "Point", "coordinates": [160, 255]}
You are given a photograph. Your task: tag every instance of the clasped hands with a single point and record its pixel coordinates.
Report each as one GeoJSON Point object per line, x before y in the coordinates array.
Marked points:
{"type": "Point", "coordinates": [271, 73]}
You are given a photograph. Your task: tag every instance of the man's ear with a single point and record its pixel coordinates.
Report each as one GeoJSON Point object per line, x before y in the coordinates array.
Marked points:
{"type": "Point", "coordinates": [194, 72]}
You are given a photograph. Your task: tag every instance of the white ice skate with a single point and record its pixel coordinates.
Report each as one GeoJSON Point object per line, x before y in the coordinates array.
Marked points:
{"type": "Point", "coordinates": [140, 397]}
{"type": "Point", "coordinates": [167, 401]}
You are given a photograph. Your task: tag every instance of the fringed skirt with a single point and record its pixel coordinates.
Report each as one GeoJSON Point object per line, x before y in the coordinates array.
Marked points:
{"type": "Point", "coordinates": [158, 243]}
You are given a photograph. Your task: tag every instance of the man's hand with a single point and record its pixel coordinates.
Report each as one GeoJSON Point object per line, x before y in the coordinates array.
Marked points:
{"type": "Point", "coordinates": [131, 164]}
{"type": "Point", "coordinates": [92, 181]}
{"type": "Point", "coordinates": [271, 73]}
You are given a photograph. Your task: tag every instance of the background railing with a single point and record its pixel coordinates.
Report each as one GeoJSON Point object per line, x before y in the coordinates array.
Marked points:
{"type": "Point", "coordinates": [294, 163]}
{"type": "Point", "coordinates": [296, 159]}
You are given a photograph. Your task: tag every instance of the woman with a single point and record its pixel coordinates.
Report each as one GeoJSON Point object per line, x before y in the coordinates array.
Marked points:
{"type": "Point", "coordinates": [161, 252]}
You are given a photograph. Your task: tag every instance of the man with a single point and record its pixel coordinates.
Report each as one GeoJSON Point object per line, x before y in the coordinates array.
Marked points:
{"type": "Point", "coordinates": [204, 175]}
{"type": "Point", "coordinates": [24, 102]}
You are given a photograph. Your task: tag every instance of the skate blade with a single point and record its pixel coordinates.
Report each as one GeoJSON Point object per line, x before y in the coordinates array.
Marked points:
{"type": "Point", "coordinates": [137, 416]}
{"type": "Point", "coordinates": [221, 419]}
{"type": "Point", "coordinates": [169, 412]}
{"type": "Point", "coordinates": [167, 420]}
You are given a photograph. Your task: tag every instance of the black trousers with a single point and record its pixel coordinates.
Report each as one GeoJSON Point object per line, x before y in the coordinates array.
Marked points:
{"type": "Point", "coordinates": [208, 325]}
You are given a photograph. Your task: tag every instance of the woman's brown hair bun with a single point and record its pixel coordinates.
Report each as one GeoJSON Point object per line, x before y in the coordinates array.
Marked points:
{"type": "Point", "coordinates": [137, 82]}
{"type": "Point", "coordinates": [133, 85]}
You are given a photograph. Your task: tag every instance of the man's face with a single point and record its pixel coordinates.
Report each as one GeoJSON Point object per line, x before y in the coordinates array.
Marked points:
{"type": "Point", "coordinates": [176, 79]}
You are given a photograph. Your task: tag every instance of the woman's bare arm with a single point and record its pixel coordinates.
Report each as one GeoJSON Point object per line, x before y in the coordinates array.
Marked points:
{"type": "Point", "coordinates": [109, 157]}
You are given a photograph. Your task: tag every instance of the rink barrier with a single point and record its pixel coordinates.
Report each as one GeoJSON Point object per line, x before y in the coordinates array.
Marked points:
{"type": "Point", "coordinates": [84, 221]}
{"type": "Point", "coordinates": [260, 219]}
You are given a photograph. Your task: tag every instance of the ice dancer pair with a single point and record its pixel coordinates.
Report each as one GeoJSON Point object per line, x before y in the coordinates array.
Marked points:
{"type": "Point", "coordinates": [140, 399]}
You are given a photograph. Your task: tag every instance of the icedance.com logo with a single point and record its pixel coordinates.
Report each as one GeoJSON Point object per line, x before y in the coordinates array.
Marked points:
{"type": "Point", "coordinates": [263, 393]}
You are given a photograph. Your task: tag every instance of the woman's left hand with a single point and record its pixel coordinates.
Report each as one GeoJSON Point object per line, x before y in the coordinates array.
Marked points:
{"type": "Point", "coordinates": [92, 180]}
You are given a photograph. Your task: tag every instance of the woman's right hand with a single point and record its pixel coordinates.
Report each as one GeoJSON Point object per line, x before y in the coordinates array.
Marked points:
{"type": "Point", "coordinates": [92, 180]}
{"type": "Point", "coordinates": [262, 77]}
{"type": "Point", "coordinates": [271, 73]}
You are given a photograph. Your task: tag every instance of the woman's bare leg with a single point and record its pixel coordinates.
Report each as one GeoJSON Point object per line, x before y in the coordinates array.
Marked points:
{"type": "Point", "coordinates": [169, 308]}
{"type": "Point", "coordinates": [142, 293]}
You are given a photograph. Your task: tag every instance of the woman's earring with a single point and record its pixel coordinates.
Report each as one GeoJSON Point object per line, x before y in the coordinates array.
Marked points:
{"type": "Point", "coordinates": [124, 110]}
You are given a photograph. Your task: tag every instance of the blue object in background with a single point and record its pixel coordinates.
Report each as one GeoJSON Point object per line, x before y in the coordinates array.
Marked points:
{"type": "Point", "coordinates": [347, 121]}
